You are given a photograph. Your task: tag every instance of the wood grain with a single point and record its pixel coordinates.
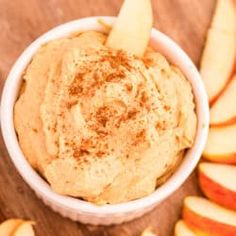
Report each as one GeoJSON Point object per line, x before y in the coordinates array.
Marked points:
{"type": "Point", "coordinates": [22, 21]}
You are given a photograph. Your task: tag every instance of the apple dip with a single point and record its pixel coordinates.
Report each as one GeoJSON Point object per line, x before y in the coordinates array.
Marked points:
{"type": "Point", "coordinates": [102, 124]}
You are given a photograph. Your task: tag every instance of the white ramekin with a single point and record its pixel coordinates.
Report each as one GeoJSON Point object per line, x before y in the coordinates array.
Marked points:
{"type": "Point", "coordinates": [83, 211]}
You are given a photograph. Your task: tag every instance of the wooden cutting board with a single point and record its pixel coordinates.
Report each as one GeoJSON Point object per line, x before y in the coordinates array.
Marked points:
{"type": "Point", "coordinates": [22, 21]}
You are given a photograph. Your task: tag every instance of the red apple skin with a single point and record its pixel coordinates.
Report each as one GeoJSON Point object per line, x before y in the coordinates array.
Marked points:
{"type": "Point", "coordinates": [228, 122]}
{"type": "Point", "coordinates": [207, 227]}
{"type": "Point", "coordinates": [224, 159]}
{"type": "Point", "coordinates": [217, 193]}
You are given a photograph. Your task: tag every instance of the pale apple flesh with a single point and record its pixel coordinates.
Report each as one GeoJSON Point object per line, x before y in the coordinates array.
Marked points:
{"type": "Point", "coordinates": [218, 183]}
{"type": "Point", "coordinates": [220, 50]}
{"type": "Point", "coordinates": [181, 229]}
{"type": "Point", "coordinates": [221, 145]}
{"type": "Point", "coordinates": [207, 218]}
{"type": "Point", "coordinates": [217, 193]}
{"type": "Point", "coordinates": [207, 227]}
{"type": "Point", "coordinates": [225, 16]}
{"type": "Point", "coordinates": [132, 29]}
{"type": "Point", "coordinates": [24, 229]}
{"type": "Point", "coordinates": [217, 62]}
{"type": "Point", "coordinates": [223, 111]}
{"type": "Point", "coordinates": [222, 174]}
{"type": "Point", "coordinates": [148, 232]}
{"type": "Point", "coordinates": [8, 226]}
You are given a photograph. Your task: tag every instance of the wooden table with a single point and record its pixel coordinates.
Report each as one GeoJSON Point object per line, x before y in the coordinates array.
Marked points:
{"type": "Point", "coordinates": [21, 22]}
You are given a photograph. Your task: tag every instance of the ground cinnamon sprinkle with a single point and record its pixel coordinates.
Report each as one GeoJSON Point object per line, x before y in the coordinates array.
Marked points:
{"type": "Point", "coordinates": [177, 138]}
{"type": "Point", "coordinates": [35, 130]}
{"type": "Point", "coordinates": [101, 133]}
{"type": "Point", "coordinates": [76, 87]}
{"type": "Point", "coordinates": [116, 76]}
{"type": "Point", "coordinates": [83, 149]}
{"type": "Point", "coordinates": [74, 90]}
{"type": "Point", "coordinates": [160, 125]}
{"type": "Point", "coordinates": [54, 128]}
{"type": "Point", "coordinates": [140, 137]}
{"type": "Point", "coordinates": [87, 144]}
{"type": "Point", "coordinates": [147, 62]}
{"type": "Point", "coordinates": [102, 115]}
{"type": "Point", "coordinates": [131, 114]}
{"type": "Point", "coordinates": [80, 152]}
{"type": "Point", "coordinates": [100, 153]}
{"type": "Point", "coordinates": [166, 108]}
{"type": "Point", "coordinates": [117, 60]}
{"type": "Point", "coordinates": [129, 87]}
{"type": "Point", "coordinates": [86, 84]}
{"type": "Point", "coordinates": [144, 97]}
{"type": "Point", "coordinates": [139, 89]}
{"type": "Point", "coordinates": [141, 134]}
{"type": "Point", "coordinates": [70, 104]}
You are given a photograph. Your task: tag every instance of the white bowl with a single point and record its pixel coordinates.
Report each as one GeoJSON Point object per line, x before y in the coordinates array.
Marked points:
{"type": "Point", "coordinates": [83, 211]}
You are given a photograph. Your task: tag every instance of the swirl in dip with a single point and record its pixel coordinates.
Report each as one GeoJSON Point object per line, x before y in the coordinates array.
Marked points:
{"type": "Point", "coordinates": [101, 124]}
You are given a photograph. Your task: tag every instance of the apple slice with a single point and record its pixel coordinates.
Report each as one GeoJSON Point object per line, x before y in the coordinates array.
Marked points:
{"type": "Point", "coordinates": [148, 232]}
{"type": "Point", "coordinates": [207, 218]}
{"type": "Point", "coordinates": [217, 62]}
{"type": "Point", "coordinates": [225, 16]}
{"type": "Point", "coordinates": [181, 229]}
{"type": "Point", "coordinates": [219, 54]}
{"type": "Point", "coordinates": [8, 226]}
{"type": "Point", "coordinates": [221, 145]}
{"type": "Point", "coordinates": [24, 229]}
{"type": "Point", "coordinates": [132, 29]}
{"type": "Point", "coordinates": [218, 183]}
{"type": "Point", "coordinates": [223, 112]}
